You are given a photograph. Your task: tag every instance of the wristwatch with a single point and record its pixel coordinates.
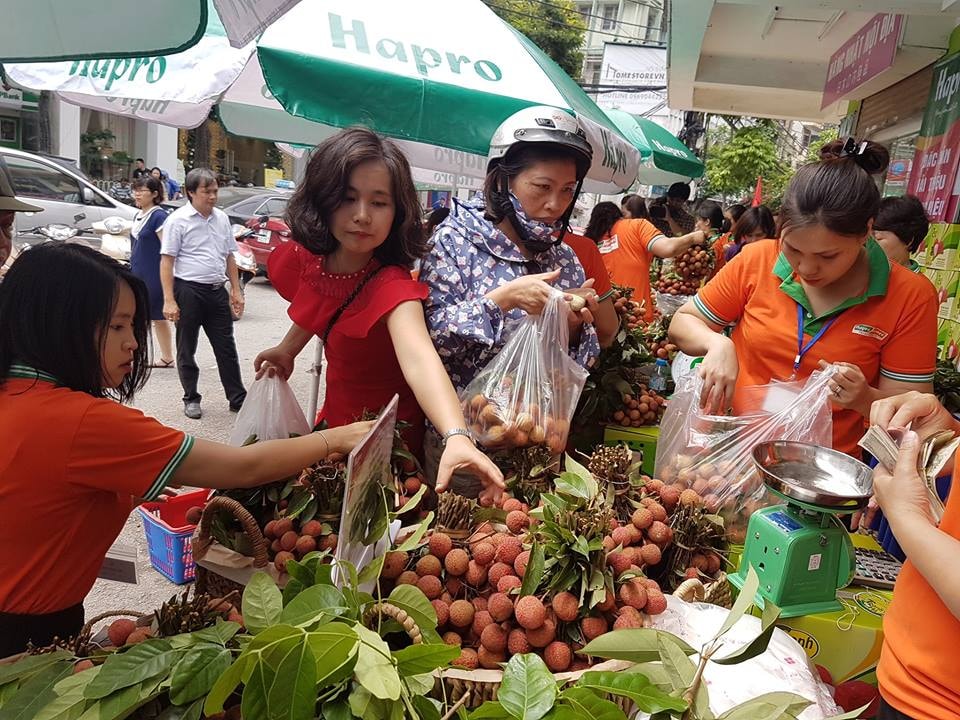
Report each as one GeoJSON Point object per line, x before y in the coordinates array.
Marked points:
{"type": "Point", "coordinates": [456, 431]}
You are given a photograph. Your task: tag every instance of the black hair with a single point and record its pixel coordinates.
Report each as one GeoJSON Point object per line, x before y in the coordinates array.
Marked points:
{"type": "Point", "coordinates": [838, 192]}
{"type": "Point", "coordinates": [679, 191]}
{"type": "Point", "coordinates": [625, 199]}
{"type": "Point", "coordinates": [712, 212]}
{"type": "Point", "coordinates": [56, 304]}
{"type": "Point", "coordinates": [435, 218]}
{"type": "Point", "coordinates": [157, 169]}
{"type": "Point", "coordinates": [905, 217]}
{"type": "Point", "coordinates": [325, 185]}
{"type": "Point", "coordinates": [736, 211]}
{"type": "Point", "coordinates": [753, 219]}
{"type": "Point", "coordinates": [139, 159]}
{"type": "Point", "coordinates": [602, 219]}
{"type": "Point", "coordinates": [152, 184]}
{"type": "Point", "coordinates": [196, 179]}
{"type": "Point", "coordinates": [637, 207]}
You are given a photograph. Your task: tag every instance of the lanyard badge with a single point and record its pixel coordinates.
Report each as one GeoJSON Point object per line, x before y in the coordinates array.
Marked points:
{"type": "Point", "coordinates": [804, 349]}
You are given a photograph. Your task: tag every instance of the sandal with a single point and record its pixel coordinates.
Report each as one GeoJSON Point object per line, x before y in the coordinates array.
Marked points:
{"type": "Point", "coordinates": [163, 363]}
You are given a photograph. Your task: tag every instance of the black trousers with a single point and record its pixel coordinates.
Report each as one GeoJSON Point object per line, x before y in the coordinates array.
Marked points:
{"type": "Point", "coordinates": [208, 307]}
{"type": "Point", "coordinates": [888, 713]}
{"type": "Point", "coordinates": [16, 630]}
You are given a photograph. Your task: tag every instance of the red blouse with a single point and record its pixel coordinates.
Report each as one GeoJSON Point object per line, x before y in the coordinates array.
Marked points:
{"type": "Point", "coordinates": [362, 368]}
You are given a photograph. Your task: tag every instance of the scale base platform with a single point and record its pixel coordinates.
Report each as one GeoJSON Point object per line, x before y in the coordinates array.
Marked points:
{"type": "Point", "coordinates": [788, 611]}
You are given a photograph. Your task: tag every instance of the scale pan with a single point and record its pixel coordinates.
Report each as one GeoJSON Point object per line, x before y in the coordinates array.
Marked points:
{"type": "Point", "coordinates": [814, 475]}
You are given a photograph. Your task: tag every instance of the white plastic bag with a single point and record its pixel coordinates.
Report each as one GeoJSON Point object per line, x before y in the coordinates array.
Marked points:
{"type": "Point", "coordinates": [270, 412]}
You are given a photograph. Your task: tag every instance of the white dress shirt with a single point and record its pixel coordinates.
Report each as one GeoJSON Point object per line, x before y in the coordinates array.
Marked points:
{"type": "Point", "coordinates": [200, 245]}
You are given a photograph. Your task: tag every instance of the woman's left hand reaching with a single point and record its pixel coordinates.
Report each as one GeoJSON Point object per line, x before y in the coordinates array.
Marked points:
{"type": "Point", "coordinates": [586, 314]}
{"type": "Point", "coordinates": [849, 388]}
{"type": "Point", "coordinates": [461, 454]}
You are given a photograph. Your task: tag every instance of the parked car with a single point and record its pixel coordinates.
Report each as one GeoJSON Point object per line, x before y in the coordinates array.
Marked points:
{"type": "Point", "coordinates": [65, 194]}
{"type": "Point", "coordinates": [268, 234]}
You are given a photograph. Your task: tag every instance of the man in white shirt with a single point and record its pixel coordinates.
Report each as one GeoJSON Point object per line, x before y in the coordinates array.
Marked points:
{"type": "Point", "coordinates": [196, 259]}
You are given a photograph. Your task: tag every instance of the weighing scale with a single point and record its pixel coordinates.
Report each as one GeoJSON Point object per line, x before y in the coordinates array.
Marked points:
{"type": "Point", "coordinates": [801, 551]}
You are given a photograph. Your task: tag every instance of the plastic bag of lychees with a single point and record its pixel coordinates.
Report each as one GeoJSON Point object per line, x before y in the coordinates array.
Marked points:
{"type": "Point", "coordinates": [527, 394]}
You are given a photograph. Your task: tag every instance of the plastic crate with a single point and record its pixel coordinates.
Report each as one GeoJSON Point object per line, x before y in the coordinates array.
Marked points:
{"type": "Point", "coordinates": [169, 535]}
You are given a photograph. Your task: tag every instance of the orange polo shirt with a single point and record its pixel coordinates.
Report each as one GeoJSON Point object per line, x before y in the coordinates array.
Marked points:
{"type": "Point", "coordinates": [627, 255]}
{"type": "Point", "coordinates": [891, 330]}
{"type": "Point", "coordinates": [70, 468]}
{"type": "Point", "coordinates": [918, 671]}
{"type": "Point", "coordinates": [592, 261]}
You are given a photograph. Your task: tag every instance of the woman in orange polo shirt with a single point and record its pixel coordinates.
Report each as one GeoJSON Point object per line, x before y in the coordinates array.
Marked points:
{"type": "Point", "coordinates": [918, 672]}
{"type": "Point", "coordinates": [628, 245]}
{"type": "Point", "coordinates": [74, 328]}
{"type": "Point", "coordinates": [823, 293]}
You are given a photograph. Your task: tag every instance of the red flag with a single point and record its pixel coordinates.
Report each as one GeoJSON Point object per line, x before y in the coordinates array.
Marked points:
{"type": "Point", "coordinates": [758, 193]}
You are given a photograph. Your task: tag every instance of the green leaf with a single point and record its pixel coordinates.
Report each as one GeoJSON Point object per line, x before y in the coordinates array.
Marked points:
{"type": "Point", "coordinates": [528, 690]}
{"type": "Point", "coordinates": [771, 706]}
{"type": "Point", "coordinates": [420, 684]}
{"type": "Point", "coordinates": [293, 588]}
{"type": "Point", "coordinates": [335, 648]}
{"type": "Point", "coordinates": [371, 571]}
{"type": "Point", "coordinates": [573, 485]}
{"type": "Point", "coordinates": [424, 658]}
{"type": "Point", "coordinates": [572, 466]}
{"type": "Point", "coordinates": [262, 603]}
{"type": "Point", "coordinates": [132, 666]}
{"type": "Point", "coordinates": [337, 710]}
{"type": "Point", "coordinates": [298, 503]}
{"type": "Point", "coordinates": [491, 710]}
{"type": "Point", "coordinates": [226, 684]}
{"type": "Point", "coordinates": [534, 573]}
{"type": "Point", "coordinates": [645, 695]}
{"type": "Point", "coordinates": [300, 572]}
{"type": "Point", "coordinates": [196, 672]}
{"type": "Point", "coordinates": [414, 541]}
{"type": "Point", "coordinates": [658, 674]}
{"type": "Point", "coordinates": [638, 645]}
{"type": "Point", "coordinates": [589, 706]}
{"type": "Point", "coordinates": [221, 633]}
{"type": "Point", "coordinates": [852, 715]}
{"type": "Point", "coordinates": [36, 692]}
{"type": "Point", "coordinates": [759, 644]}
{"type": "Point", "coordinates": [374, 669]}
{"type": "Point", "coordinates": [253, 703]}
{"type": "Point", "coordinates": [580, 545]}
{"type": "Point", "coordinates": [426, 708]}
{"type": "Point", "coordinates": [410, 504]}
{"type": "Point", "coordinates": [365, 705]}
{"type": "Point", "coordinates": [744, 600]}
{"type": "Point", "coordinates": [116, 705]}
{"type": "Point", "coordinates": [193, 711]}
{"type": "Point", "coordinates": [411, 599]}
{"type": "Point", "coordinates": [8, 691]}
{"type": "Point", "coordinates": [30, 664]}
{"type": "Point", "coordinates": [70, 702]}
{"type": "Point", "coordinates": [293, 695]}
{"type": "Point", "coordinates": [316, 605]}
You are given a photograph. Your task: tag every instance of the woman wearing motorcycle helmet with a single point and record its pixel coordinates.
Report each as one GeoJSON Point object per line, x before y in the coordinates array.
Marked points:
{"type": "Point", "coordinates": [498, 256]}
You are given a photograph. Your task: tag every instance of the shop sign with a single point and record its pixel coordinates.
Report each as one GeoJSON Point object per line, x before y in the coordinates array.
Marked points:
{"type": "Point", "coordinates": [937, 158]}
{"type": "Point", "coordinates": [864, 56]}
{"type": "Point", "coordinates": [11, 97]}
{"type": "Point", "coordinates": [630, 67]}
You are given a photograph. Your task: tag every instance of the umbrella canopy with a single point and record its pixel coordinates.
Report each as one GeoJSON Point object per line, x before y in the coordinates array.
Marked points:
{"type": "Point", "coordinates": [666, 160]}
{"type": "Point", "coordinates": [44, 30]}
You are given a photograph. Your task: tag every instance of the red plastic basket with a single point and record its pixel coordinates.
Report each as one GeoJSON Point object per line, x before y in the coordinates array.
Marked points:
{"type": "Point", "coordinates": [169, 535]}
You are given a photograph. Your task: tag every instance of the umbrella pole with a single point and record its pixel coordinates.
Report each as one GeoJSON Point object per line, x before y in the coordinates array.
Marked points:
{"type": "Point", "coordinates": [315, 370]}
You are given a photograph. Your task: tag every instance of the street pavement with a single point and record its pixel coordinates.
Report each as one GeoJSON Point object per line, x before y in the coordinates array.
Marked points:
{"type": "Point", "coordinates": [263, 325]}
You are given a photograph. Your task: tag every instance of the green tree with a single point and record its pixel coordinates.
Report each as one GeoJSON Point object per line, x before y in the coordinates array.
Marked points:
{"type": "Point", "coordinates": [555, 27]}
{"type": "Point", "coordinates": [826, 135]}
{"type": "Point", "coordinates": [734, 164]}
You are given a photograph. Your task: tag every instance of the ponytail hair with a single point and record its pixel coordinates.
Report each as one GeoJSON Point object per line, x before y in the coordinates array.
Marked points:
{"type": "Point", "coordinates": [839, 191]}
{"type": "Point", "coordinates": [602, 219]}
{"type": "Point", "coordinates": [712, 212]}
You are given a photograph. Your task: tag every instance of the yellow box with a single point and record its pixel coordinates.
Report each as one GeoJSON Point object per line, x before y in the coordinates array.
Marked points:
{"type": "Point", "coordinates": [940, 247]}
{"type": "Point", "coordinates": [642, 440]}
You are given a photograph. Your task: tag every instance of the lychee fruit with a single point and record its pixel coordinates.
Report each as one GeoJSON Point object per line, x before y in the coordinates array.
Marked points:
{"type": "Point", "coordinates": [565, 606]}
{"type": "Point", "coordinates": [517, 521]}
{"type": "Point", "coordinates": [328, 542]}
{"type": "Point", "coordinates": [442, 610]}
{"type": "Point", "coordinates": [282, 527]}
{"type": "Point", "coordinates": [629, 618]}
{"type": "Point", "coordinates": [593, 627]}
{"type": "Point", "coordinates": [543, 635]}
{"type": "Point", "coordinates": [853, 694]}
{"type": "Point", "coordinates": [428, 565]}
{"type": "Point", "coordinates": [82, 665]}
{"type": "Point", "coordinates": [511, 504]}
{"type": "Point", "coordinates": [280, 561]}
{"type": "Point", "coordinates": [193, 515]}
{"type": "Point", "coordinates": [508, 583]}
{"type": "Point", "coordinates": [461, 613]}
{"type": "Point", "coordinates": [609, 602]}
{"type": "Point", "coordinates": [440, 544]}
{"type": "Point", "coordinates": [313, 528]}
{"type": "Point", "coordinates": [270, 530]}
{"type": "Point", "coordinates": [288, 541]}
{"type": "Point", "coordinates": [509, 548]}
{"type": "Point", "coordinates": [454, 586]}
{"type": "Point", "coordinates": [656, 602]}
{"type": "Point", "coordinates": [412, 485]}
{"type": "Point", "coordinates": [621, 536]}
{"type": "Point", "coordinates": [700, 562]}
{"type": "Point", "coordinates": [650, 584]}
{"type": "Point", "coordinates": [691, 573]}
{"type": "Point", "coordinates": [467, 659]}
{"type": "Point", "coordinates": [500, 607]}
{"type": "Point", "coordinates": [490, 660]}
{"type": "Point", "coordinates": [641, 518]}
{"type": "Point", "coordinates": [658, 511]}
{"type": "Point", "coordinates": [659, 533]}
{"type": "Point", "coordinates": [650, 554]}
{"type": "Point", "coordinates": [476, 574]}
{"type": "Point", "coordinates": [634, 594]}
{"type": "Point", "coordinates": [408, 577]}
{"type": "Point", "coordinates": [713, 563]}
{"type": "Point", "coordinates": [456, 562]}
{"type": "Point", "coordinates": [275, 547]}
{"type": "Point", "coordinates": [654, 485]}
{"type": "Point", "coordinates": [690, 498]}
{"type": "Point", "coordinates": [479, 603]}
{"type": "Point", "coordinates": [608, 543]}
{"type": "Point", "coordinates": [393, 564]}
{"type": "Point", "coordinates": [430, 586]}
{"type": "Point", "coordinates": [452, 638]}
{"type": "Point", "coordinates": [494, 638]}
{"type": "Point", "coordinates": [305, 544]}
{"type": "Point", "coordinates": [558, 656]}
{"type": "Point", "coordinates": [530, 612]}
{"type": "Point", "coordinates": [139, 635]}
{"type": "Point", "coordinates": [483, 553]}
{"type": "Point", "coordinates": [497, 571]}
{"type": "Point", "coordinates": [517, 643]}
{"type": "Point", "coordinates": [520, 564]}
{"type": "Point", "coordinates": [669, 496]}
{"type": "Point", "coordinates": [620, 560]}
{"type": "Point", "coordinates": [481, 619]}
{"type": "Point", "coordinates": [120, 630]}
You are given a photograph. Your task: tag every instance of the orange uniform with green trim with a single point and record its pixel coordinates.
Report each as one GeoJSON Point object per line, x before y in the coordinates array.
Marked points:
{"type": "Point", "coordinates": [627, 254]}
{"type": "Point", "coordinates": [891, 330]}
{"type": "Point", "coordinates": [70, 468]}
{"type": "Point", "coordinates": [592, 261]}
{"type": "Point", "coordinates": [918, 672]}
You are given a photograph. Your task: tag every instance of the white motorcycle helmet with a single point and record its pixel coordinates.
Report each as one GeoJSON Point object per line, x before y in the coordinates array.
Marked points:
{"type": "Point", "coordinates": [540, 124]}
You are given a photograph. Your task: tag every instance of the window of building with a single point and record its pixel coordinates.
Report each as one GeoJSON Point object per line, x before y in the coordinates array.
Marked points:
{"type": "Point", "coordinates": [609, 17]}
{"type": "Point", "coordinates": [585, 9]}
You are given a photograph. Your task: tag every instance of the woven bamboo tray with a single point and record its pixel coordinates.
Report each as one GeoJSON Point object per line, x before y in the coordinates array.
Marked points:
{"type": "Point", "coordinates": [213, 583]}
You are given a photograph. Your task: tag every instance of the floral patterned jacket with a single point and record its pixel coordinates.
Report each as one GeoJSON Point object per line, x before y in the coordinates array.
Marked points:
{"type": "Point", "coordinates": [470, 257]}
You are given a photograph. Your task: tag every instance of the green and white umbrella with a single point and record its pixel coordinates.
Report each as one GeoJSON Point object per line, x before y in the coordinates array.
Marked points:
{"type": "Point", "coordinates": [665, 160]}
{"type": "Point", "coordinates": [46, 30]}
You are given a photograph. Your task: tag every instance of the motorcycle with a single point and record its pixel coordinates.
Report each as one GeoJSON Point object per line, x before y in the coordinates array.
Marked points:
{"type": "Point", "coordinates": [246, 262]}
{"type": "Point", "coordinates": [114, 234]}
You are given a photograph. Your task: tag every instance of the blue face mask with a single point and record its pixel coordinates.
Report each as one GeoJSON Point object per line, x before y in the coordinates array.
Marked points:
{"type": "Point", "coordinates": [539, 235]}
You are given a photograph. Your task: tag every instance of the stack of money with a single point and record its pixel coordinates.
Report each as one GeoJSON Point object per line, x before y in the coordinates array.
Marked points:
{"type": "Point", "coordinates": [935, 453]}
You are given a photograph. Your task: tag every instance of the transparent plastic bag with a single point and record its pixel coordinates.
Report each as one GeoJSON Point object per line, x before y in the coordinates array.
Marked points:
{"type": "Point", "coordinates": [270, 412]}
{"type": "Point", "coordinates": [669, 304]}
{"type": "Point", "coordinates": [527, 394]}
{"type": "Point", "coordinates": [712, 454]}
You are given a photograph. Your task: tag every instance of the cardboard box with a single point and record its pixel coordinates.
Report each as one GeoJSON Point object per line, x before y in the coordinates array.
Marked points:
{"type": "Point", "coordinates": [940, 247]}
{"type": "Point", "coordinates": [640, 440]}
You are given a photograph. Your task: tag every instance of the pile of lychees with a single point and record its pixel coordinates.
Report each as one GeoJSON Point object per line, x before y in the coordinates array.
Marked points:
{"type": "Point", "coordinates": [474, 586]}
